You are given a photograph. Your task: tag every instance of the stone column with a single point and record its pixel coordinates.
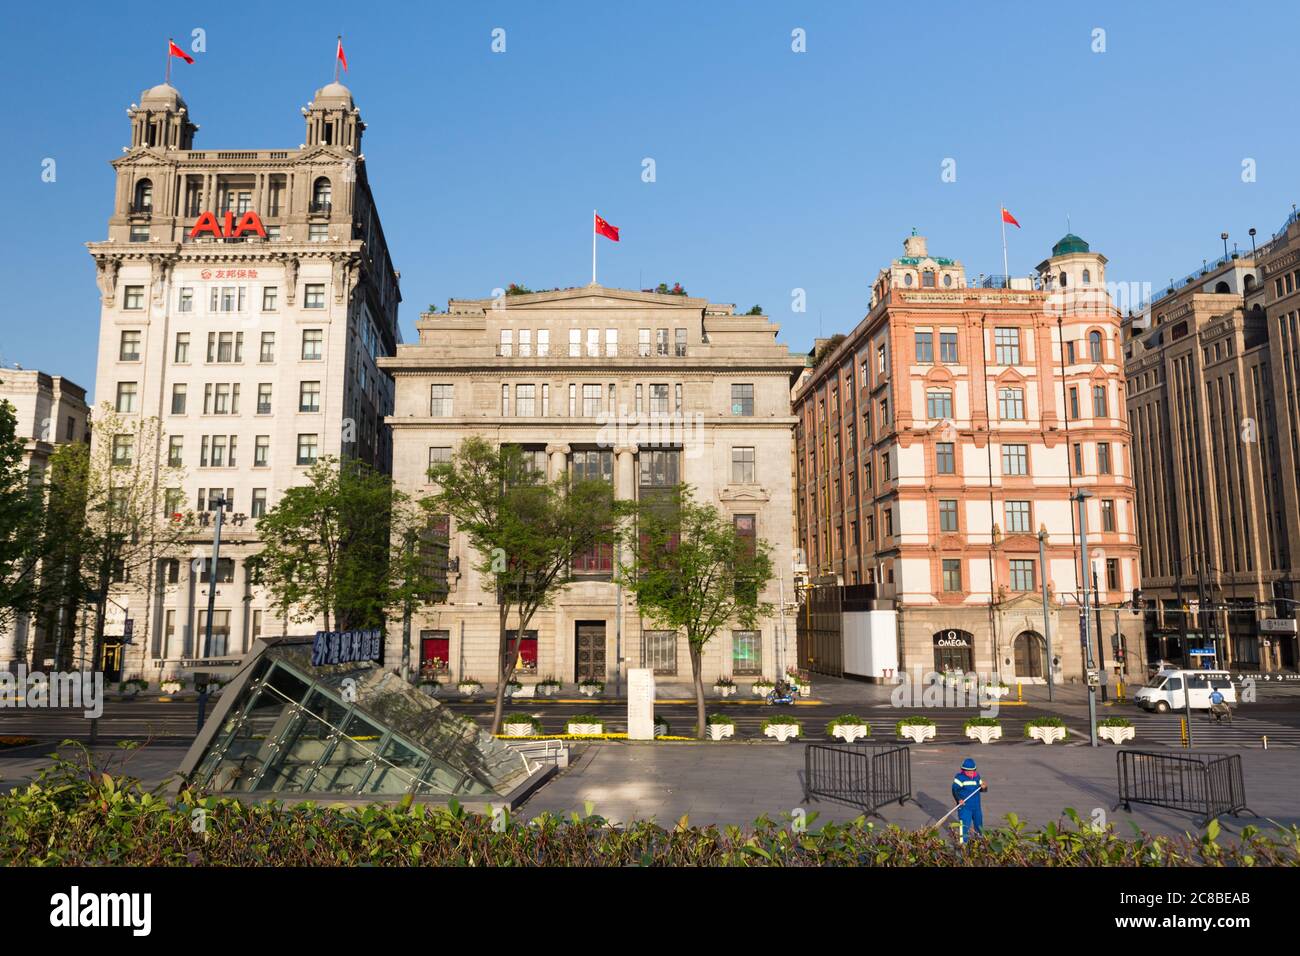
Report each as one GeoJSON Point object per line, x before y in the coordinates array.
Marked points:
{"type": "Point", "coordinates": [624, 471]}
{"type": "Point", "coordinates": [558, 455]}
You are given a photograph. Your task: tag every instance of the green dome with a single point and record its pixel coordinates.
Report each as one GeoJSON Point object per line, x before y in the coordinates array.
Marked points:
{"type": "Point", "coordinates": [1069, 243]}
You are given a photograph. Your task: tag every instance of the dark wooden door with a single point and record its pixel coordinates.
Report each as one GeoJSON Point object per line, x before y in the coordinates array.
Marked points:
{"type": "Point", "coordinates": [1029, 655]}
{"type": "Point", "coordinates": [589, 652]}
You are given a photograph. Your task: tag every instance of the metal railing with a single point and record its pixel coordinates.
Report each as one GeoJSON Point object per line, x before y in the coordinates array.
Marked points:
{"type": "Point", "coordinates": [1209, 785]}
{"type": "Point", "coordinates": [863, 776]}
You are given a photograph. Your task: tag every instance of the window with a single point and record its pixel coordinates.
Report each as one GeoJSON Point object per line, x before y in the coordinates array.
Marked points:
{"type": "Point", "coordinates": [593, 343]}
{"type": "Point", "coordinates": [546, 399]}
{"type": "Point", "coordinates": [439, 455]}
{"type": "Point", "coordinates": [270, 298]}
{"type": "Point", "coordinates": [307, 449]}
{"type": "Point", "coordinates": [948, 514]}
{"type": "Point", "coordinates": [1069, 353]}
{"type": "Point", "coordinates": [927, 279]}
{"type": "Point", "coordinates": [742, 399]}
{"type": "Point", "coordinates": [938, 403]}
{"type": "Point", "coordinates": [1112, 574]}
{"type": "Point", "coordinates": [123, 450]}
{"type": "Point", "coordinates": [658, 399]}
{"type": "Point", "coordinates": [267, 351]}
{"type": "Point", "coordinates": [224, 347]}
{"type": "Point", "coordinates": [133, 298]}
{"type": "Point", "coordinates": [1087, 276]}
{"type": "Point", "coordinates": [1022, 574]}
{"type": "Point", "coordinates": [175, 451]}
{"type": "Point", "coordinates": [317, 232]}
{"type": "Point", "coordinates": [309, 396]}
{"type": "Point", "coordinates": [882, 359]}
{"type": "Point", "coordinates": [1107, 514]}
{"type": "Point", "coordinates": [313, 341]}
{"type": "Point", "coordinates": [505, 400]}
{"type": "Point", "coordinates": [611, 343]}
{"type": "Point", "coordinates": [181, 355]}
{"type": "Point", "coordinates": [313, 296]}
{"type": "Point", "coordinates": [591, 465]}
{"type": "Point", "coordinates": [661, 342]}
{"type": "Point", "coordinates": [643, 343]}
{"type": "Point", "coordinates": [659, 651]}
{"type": "Point", "coordinates": [679, 343]}
{"type": "Point", "coordinates": [952, 574]}
{"type": "Point", "coordinates": [591, 399]}
{"type": "Point", "coordinates": [945, 458]}
{"type": "Point", "coordinates": [126, 392]}
{"type": "Point", "coordinates": [924, 348]}
{"type": "Point", "coordinates": [507, 340]}
{"type": "Point", "coordinates": [178, 398]}
{"type": "Point", "coordinates": [1006, 346]}
{"type": "Point", "coordinates": [525, 401]}
{"type": "Point", "coordinates": [1103, 458]}
{"type": "Point", "coordinates": [543, 342]}
{"type": "Point", "coordinates": [1015, 459]}
{"type": "Point", "coordinates": [948, 348]}
{"type": "Point", "coordinates": [264, 398]}
{"type": "Point", "coordinates": [1074, 403]}
{"type": "Point", "coordinates": [257, 508]}
{"type": "Point", "coordinates": [1011, 404]}
{"type": "Point", "coordinates": [742, 466]}
{"type": "Point", "coordinates": [746, 653]}
{"type": "Point", "coordinates": [525, 343]}
{"type": "Point", "coordinates": [1078, 458]}
{"type": "Point", "coordinates": [575, 343]}
{"type": "Point", "coordinates": [440, 401]}
{"type": "Point", "coordinates": [261, 451]}
{"type": "Point", "coordinates": [129, 350]}
{"type": "Point", "coordinates": [1094, 346]}
{"type": "Point", "coordinates": [1018, 521]}
{"type": "Point", "coordinates": [660, 468]}
{"type": "Point", "coordinates": [1099, 401]}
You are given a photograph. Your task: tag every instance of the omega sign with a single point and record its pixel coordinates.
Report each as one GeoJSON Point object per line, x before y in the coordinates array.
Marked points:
{"type": "Point", "coordinates": [951, 639]}
{"type": "Point", "coordinates": [226, 227]}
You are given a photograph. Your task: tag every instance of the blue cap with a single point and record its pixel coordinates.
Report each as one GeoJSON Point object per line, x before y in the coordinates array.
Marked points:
{"type": "Point", "coordinates": [968, 764]}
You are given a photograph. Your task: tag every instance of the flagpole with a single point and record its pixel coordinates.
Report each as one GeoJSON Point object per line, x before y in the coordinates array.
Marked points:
{"type": "Point", "coordinates": [1002, 217]}
{"type": "Point", "coordinates": [167, 74]}
{"type": "Point", "coordinates": [593, 247]}
{"type": "Point", "coordinates": [336, 58]}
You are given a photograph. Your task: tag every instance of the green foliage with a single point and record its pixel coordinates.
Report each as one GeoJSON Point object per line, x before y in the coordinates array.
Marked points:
{"type": "Point", "coordinates": [981, 722]}
{"type": "Point", "coordinates": [722, 720]}
{"type": "Point", "coordinates": [523, 719]}
{"type": "Point", "coordinates": [1045, 722]}
{"type": "Point", "coordinates": [1114, 722]}
{"type": "Point", "coordinates": [756, 310]}
{"type": "Point", "coordinates": [20, 522]}
{"type": "Point", "coordinates": [515, 288]}
{"type": "Point", "coordinates": [912, 722]}
{"type": "Point", "coordinates": [586, 719]}
{"type": "Point", "coordinates": [77, 816]}
{"type": "Point", "coordinates": [847, 720]}
{"type": "Point", "coordinates": [782, 722]}
{"type": "Point", "coordinates": [663, 289]}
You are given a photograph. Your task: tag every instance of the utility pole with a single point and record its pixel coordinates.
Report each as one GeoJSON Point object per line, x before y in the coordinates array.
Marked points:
{"type": "Point", "coordinates": [1047, 608]}
{"type": "Point", "coordinates": [1085, 622]}
{"type": "Point", "coordinates": [219, 505]}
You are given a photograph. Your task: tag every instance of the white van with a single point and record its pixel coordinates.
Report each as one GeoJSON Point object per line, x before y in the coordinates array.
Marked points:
{"type": "Point", "coordinates": [1165, 692]}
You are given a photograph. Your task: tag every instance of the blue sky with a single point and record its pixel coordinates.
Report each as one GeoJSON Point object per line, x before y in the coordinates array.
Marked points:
{"type": "Point", "coordinates": [775, 170]}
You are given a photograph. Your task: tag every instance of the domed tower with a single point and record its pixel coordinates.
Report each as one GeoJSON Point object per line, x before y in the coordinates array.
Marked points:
{"type": "Point", "coordinates": [333, 119]}
{"type": "Point", "coordinates": [1073, 265]}
{"type": "Point", "coordinates": [162, 120]}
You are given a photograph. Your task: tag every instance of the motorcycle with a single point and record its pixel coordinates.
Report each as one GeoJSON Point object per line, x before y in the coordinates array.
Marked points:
{"type": "Point", "coordinates": [782, 693]}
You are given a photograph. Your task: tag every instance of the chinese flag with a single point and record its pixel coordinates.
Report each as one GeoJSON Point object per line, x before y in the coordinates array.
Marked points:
{"type": "Point", "coordinates": [341, 56]}
{"type": "Point", "coordinates": [174, 50]}
{"type": "Point", "coordinates": [605, 229]}
{"type": "Point", "coordinates": [1007, 217]}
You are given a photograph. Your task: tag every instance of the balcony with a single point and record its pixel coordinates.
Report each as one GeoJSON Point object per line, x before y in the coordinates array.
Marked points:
{"type": "Point", "coordinates": [319, 208]}
{"type": "Point", "coordinates": [140, 211]}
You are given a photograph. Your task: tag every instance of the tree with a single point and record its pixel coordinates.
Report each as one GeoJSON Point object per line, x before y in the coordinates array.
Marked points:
{"type": "Point", "coordinates": [20, 522]}
{"type": "Point", "coordinates": [525, 532]}
{"type": "Point", "coordinates": [325, 545]}
{"type": "Point", "coordinates": [692, 572]}
{"type": "Point", "coordinates": [64, 542]}
{"type": "Point", "coordinates": [417, 564]}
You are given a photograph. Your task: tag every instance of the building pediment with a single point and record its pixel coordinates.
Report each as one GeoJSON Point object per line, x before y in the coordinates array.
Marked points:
{"type": "Point", "coordinates": [744, 493]}
{"type": "Point", "coordinates": [144, 156]}
{"type": "Point", "coordinates": [596, 297]}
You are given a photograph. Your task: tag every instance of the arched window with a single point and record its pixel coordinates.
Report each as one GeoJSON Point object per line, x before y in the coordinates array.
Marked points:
{"type": "Point", "coordinates": [1221, 287]}
{"type": "Point", "coordinates": [143, 196]}
{"type": "Point", "coordinates": [1094, 345]}
{"type": "Point", "coordinates": [321, 191]}
{"type": "Point", "coordinates": [1063, 282]}
{"type": "Point", "coordinates": [1087, 276]}
{"type": "Point", "coordinates": [1250, 282]}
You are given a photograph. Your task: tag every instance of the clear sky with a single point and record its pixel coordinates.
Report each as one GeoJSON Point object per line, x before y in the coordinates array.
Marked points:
{"type": "Point", "coordinates": [774, 170]}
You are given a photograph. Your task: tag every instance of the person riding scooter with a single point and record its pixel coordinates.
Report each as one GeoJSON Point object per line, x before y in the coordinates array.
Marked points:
{"type": "Point", "coordinates": [1219, 707]}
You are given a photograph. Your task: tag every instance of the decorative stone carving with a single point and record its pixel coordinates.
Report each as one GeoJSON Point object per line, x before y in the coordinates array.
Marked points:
{"type": "Point", "coordinates": [106, 275]}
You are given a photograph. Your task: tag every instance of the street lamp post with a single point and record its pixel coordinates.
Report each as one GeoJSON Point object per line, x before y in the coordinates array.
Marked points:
{"type": "Point", "coordinates": [1085, 621]}
{"type": "Point", "coordinates": [218, 504]}
{"type": "Point", "coordinates": [1047, 620]}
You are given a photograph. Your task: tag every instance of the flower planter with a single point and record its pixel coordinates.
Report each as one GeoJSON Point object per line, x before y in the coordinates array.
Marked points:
{"type": "Point", "coordinates": [512, 689]}
{"type": "Point", "coordinates": [984, 734]}
{"type": "Point", "coordinates": [782, 732]}
{"type": "Point", "coordinates": [1046, 733]}
{"type": "Point", "coordinates": [724, 690]}
{"type": "Point", "coordinates": [547, 690]}
{"type": "Point", "coordinates": [762, 690]}
{"type": "Point", "coordinates": [169, 687]}
{"type": "Point", "coordinates": [721, 731]}
{"type": "Point", "coordinates": [661, 730]}
{"type": "Point", "coordinates": [1117, 735]}
{"type": "Point", "coordinates": [518, 730]}
{"type": "Point", "coordinates": [590, 690]}
{"type": "Point", "coordinates": [130, 690]}
{"type": "Point", "coordinates": [805, 690]}
{"type": "Point", "coordinates": [992, 690]}
{"type": "Point", "coordinates": [584, 729]}
{"type": "Point", "coordinates": [468, 690]}
{"type": "Point", "coordinates": [850, 732]}
{"type": "Point", "coordinates": [918, 733]}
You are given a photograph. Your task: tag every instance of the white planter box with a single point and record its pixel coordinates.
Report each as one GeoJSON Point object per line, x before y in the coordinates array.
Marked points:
{"type": "Point", "coordinates": [984, 734]}
{"type": "Point", "coordinates": [131, 690]}
{"type": "Point", "coordinates": [805, 690]}
{"type": "Point", "coordinates": [517, 730]}
{"type": "Point", "coordinates": [849, 732]}
{"type": "Point", "coordinates": [991, 690]}
{"type": "Point", "coordinates": [1117, 735]}
{"type": "Point", "coordinates": [783, 732]}
{"type": "Point", "coordinates": [170, 687]}
{"type": "Point", "coordinates": [724, 690]}
{"type": "Point", "coordinates": [762, 690]}
{"type": "Point", "coordinates": [547, 690]}
{"type": "Point", "coordinates": [528, 690]}
{"type": "Point", "coordinates": [468, 690]}
{"type": "Point", "coordinates": [590, 690]}
{"type": "Point", "coordinates": [919, 733]}
{"type": "Point", "coordinates": [1047, 734]}
{"type": "Point", "coordinates": [721, 731]}
{"type": "Point", "coordinates": [584, 728]}
{"type": "Point", "coordinates": [661, 730]}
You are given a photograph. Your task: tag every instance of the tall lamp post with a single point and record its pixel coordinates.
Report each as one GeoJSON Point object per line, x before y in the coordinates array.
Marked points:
{"type": "Point", "coordinates": [1047, 618]}
{"type": "Point", "coordinates": [1085, 619]}
{"type": "Point", "coordinates": [218, 504]}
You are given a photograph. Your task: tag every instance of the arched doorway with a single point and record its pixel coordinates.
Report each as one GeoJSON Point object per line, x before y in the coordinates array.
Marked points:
{"type": "Point", "coordinates": [1029, 650]}
{"type": "Point", "coordinates": [954, 650]}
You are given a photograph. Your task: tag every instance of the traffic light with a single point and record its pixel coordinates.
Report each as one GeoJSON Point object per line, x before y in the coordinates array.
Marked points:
{"type": "Point", "coordinates": [1138, 600]}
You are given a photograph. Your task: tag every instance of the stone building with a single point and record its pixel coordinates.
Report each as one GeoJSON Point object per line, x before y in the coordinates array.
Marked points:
{"type": "Point", "coordinates": [1213, 364]}
{"type": "Point", "coordinates": [246, 295]}
{"type": "Point", "coordinates": [938, 438]}
{"type": "Point", "coordinates": [50, 411]}
{"type": "Point", "coordinates": [642, 389]}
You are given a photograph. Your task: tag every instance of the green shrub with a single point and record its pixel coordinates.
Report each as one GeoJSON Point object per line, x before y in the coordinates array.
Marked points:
{"type": "Point", "coordinates": [782, 722]}
{"type": "Point", "coordinates": [1114, 722]}
{"type": "Point", "coordinates": [722, 720]}
{"type": "Point", "coordinates": [912, 722]}
{"type": "Point", "coordinates": [586, 719]}
{"type": "Point", "coordinates": [522, 719]}
{"type": "Point", "coordinates": [981, 722]}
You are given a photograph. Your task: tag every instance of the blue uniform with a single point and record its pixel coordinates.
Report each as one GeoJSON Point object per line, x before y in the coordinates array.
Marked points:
{"type": "Point", "coordinates": [970, 814]}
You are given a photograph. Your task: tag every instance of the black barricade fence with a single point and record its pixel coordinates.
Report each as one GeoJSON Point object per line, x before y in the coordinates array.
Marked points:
{"type": "Point", "coordinates": [1206, 784]}
{"type": "Point", "coordinates": [866, 776]}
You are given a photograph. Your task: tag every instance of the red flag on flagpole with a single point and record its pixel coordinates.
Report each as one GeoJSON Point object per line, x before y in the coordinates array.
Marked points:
{"type": "Point", "coordinates": [174, 50]}
{"type": "Point", "coordinates": [605, 229]}
{"type": "Point", "coordinates": [1007, 217]}
{"type": "Point", "coordinates": [342, 58]}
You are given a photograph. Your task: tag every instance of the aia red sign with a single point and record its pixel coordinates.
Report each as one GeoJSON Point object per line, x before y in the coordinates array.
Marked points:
{"type": "Point", "coordinates": [227, 228]}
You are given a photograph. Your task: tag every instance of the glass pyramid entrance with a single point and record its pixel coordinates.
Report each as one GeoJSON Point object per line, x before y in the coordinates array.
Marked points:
{"type": "Point", "coordinates": [284, 726]}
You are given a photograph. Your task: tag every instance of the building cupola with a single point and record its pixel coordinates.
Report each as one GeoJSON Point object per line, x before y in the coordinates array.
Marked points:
{"type": "Point", "coordinates": [333, 119]}
{"type": "Point", "coordinates": [161, 120]}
